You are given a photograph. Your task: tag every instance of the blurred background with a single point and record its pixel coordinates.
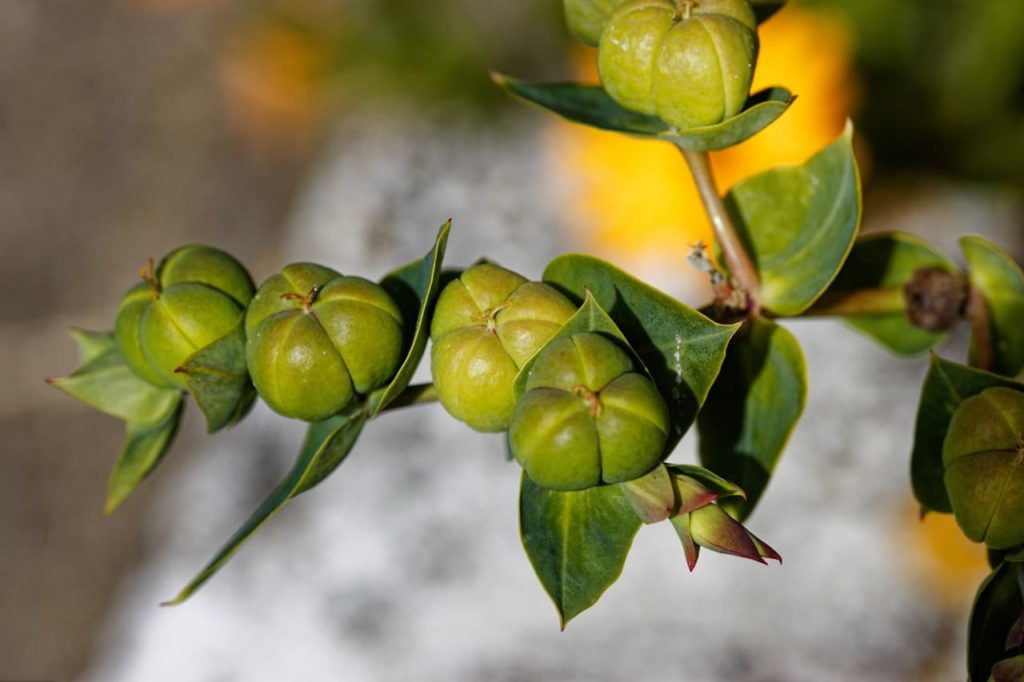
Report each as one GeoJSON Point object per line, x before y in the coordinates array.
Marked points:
{"type": "Point", "coordinates": [346, 131]}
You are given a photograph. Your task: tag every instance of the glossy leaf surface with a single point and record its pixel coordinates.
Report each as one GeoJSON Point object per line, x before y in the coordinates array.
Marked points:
{"type": "Point", "coordinates": [577, 542]}
{"type": "Point", "coordinates": [752, 409]}
{"type": "Point", "coordinates": [682, 349]}
{"type": "Point", "coordinates": [590, 105]}
{"type": "Point", "coordinates": [799, 223]}
{"type": "Point", "coordinates": [946, 385]}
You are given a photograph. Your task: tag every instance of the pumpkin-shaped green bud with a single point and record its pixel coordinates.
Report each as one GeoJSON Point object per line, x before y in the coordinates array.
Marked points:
{"type": "Point", "coordinates": [316, 339]}
{"type": "Point", "coordinates": [586, 18]}
{"type": "Point", "coordinates": [486, 325]}
{"type": "Point", "coordinates": [194, 297]}
{"type": "Point", "coordinates": [587, 416]}
{"type": "Point", "coordinates": [690, 62]}
{"type": "Point", "coordinates": [983, 455]}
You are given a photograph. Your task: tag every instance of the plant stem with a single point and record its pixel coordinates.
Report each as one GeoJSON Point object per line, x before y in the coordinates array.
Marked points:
{"type": "Point", "coordinates": [737, 260]}
{"type": "Point", "coordinates": [414, 394]}
{"type": "Point", "coordinates": [982, 353]}
{"type": "Point", "coordinates": [862, 302]}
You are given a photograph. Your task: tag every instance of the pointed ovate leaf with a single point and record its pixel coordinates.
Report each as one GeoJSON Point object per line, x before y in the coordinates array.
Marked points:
{"type": "Point", "coordinates": [1009, 670]}
{"type": "Point", "coordinates": [997, 607]}
{"type": "Point", "coordinates": [752, 409]}
{"type": "Point", "coordinates": [590, 105]}
{"type": "Point", "coordinates": [653, 496]}
{"type": "Point", "coordinates": [946, 385]}
{"type": "Point", "coordinates": [218, 379]}
{"type": "Point", "coordinates": [1000, 281]}
{"type": "Point", "coordinates": [415, 288]}
{"type": "Point", "coordinates": [92, 344]}
{"type": "Point", "coordinates": [105, 382]}
{"type": "Point", "coordinates": [144, 448]}
{"type": "Point", "coordinates": [681, 524]}
{"type": "Point", "coordinates": [590, 317]}
{"type": "Point", "coordinates": [880, 265]}
{"type": "Point", "coordinates": [709, 479]}
{"type": "Point", "coordinates": [327, 445]}
{"type": "Point", "coordinates": [682, 349]}
{"type": "Point", "coordinates": [799, 224]}
{"type": "Point", "coordinates": [577, 542]}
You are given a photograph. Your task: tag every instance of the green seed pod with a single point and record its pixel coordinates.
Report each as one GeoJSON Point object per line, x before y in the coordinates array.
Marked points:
{"type": "Point", "coordinates": [689, 62]}
{"type": "Point", "coordinates": [587, 417]}
{"type": "Point", "coordinates": [316, 338]}
{"type": "Point", "coordinates": [486, 325]}
{"type": "Point", "coordinates": [195, 296]}
{"type": "Point", "coordinates": [586, 18]}
{"type": "Point", "coordinates": [983, 455]}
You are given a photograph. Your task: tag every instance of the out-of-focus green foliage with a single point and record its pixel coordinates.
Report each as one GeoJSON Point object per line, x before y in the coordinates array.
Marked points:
{"type": "Point", "coordinates": [419, 50]}
{"type": "Point", "coordinates": [944, 83]}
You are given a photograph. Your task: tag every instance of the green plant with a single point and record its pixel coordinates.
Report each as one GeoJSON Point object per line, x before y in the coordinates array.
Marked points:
{"type": "Point", "coordinates": [597, 375]}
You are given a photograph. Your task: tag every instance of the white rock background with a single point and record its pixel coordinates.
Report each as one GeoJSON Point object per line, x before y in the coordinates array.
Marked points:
{"type": "Point", "coordinates": [407, 565]}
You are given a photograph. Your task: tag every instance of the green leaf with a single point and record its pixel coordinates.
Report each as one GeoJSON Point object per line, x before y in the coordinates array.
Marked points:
{"type": "Point", "coordinates": [218, 379]}
{"type": "Point", "coordinates": [590, 105]}
{"type": "Point", "coordinates": [799, 223]}
{"type": "Point", "coordinates": [946, 385]}
{"type": "Point", "coordinates": [709, 479]}
{"type": "Point", "coordinates": [1000, 281]}
{"type": "Point", "coordinates": [682, 349]}
{"type": "Point", "coordinates": [415, 288]}
{"type": "Point", "coordinates": [105, 382]}
{"type": "Point", "coordinates": [883, 263]}
{"type": "Point", "coordinates": [653, 496]}
{"type": "Point", "coordinates": [327, 445]}
{"type": "Point", "coordinates": [91, 345]}
{"type": "Point", "coordinates": [590, 317]}
{"type": "Point", "coordinates": [752, 410]}
{"type": "Point", "coordinates": [144, 448]}
{"type": "Point", "coordinates": [577, 542]}
{"type": "Point", "coordinates": [997, 607]}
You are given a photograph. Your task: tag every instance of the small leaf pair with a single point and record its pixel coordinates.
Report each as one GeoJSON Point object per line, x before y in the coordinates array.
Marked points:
{"type": "Point", "coordinates": [151, 413]}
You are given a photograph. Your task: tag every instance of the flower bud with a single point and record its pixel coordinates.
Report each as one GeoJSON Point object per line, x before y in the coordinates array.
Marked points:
{"type": "Point", "coordinates": [983, 455]}
{"type": "Point", "coordinates": [486, 325]}
{"type": "Point", "coordinates": [587, 417]}
{"type": "Point", "coordinates": [195, 296]}
{"type": "Point", "coordinates": [690, 62]}
{"type": "Point", "coordinates": [317, 338]}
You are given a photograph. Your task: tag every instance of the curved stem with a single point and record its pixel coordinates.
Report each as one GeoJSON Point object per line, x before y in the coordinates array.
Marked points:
{"type": "Point", "coordinates": [736, 257]}
{"type": "Point", "coordinates": [859, 302]}
{"type": "Point", "coordinates": [414, 394]}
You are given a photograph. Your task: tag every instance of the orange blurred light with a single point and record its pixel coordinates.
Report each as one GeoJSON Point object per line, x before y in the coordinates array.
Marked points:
{"type": "Point", "coordinates": [634, 200]}
{"type": "Point", "coordinates": [271, 80]}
